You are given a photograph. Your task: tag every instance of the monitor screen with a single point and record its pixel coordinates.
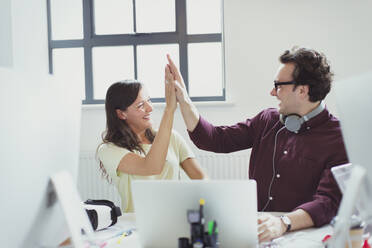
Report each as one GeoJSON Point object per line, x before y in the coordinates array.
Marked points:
{"type": "Point", "coordinates": [39, 137]}
{"type": "Point", "coordinates": [354, 103]}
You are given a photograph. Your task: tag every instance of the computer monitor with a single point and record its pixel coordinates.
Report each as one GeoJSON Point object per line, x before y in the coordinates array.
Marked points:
{"type": "Point", "coordinates": [39, 130]}
{"type": "Point", "coordinates": [354, 103]}
{"type": "Point", "coordinates": [39, 137]}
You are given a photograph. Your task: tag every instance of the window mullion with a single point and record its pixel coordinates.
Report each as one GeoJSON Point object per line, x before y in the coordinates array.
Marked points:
{"type": "Point", "coordinates": [135, 45]}
{"type": "Point", "coordinates": [181, 29]}
{"type": "Point", "coordinates": [88, 29]}
{"type": "Point", "coordinates": [50, 51]}
{"type": "Point", "coordinates": [135, 61]}
{"type": "Point", "coordinates": [134, 17]}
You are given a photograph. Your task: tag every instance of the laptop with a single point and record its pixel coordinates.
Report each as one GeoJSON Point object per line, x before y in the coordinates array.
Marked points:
{"type": "Point", "coordinates": [161, 210]}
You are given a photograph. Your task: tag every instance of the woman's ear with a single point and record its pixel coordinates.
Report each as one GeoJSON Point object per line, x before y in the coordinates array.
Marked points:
{"type": "Point", "coordinates": [121, 115]}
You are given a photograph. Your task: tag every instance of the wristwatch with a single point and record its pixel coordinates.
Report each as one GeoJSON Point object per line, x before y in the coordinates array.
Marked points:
{"type": "Point", "coordinates": [287, 222]}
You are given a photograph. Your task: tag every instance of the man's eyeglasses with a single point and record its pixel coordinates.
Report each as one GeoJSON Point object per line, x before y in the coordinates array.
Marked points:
{"type": "Point", "coordinates": [277, 83]}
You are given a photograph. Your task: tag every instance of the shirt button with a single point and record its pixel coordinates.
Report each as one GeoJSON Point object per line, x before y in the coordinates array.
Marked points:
{"type": "Point", "coordinates": [271, 198]}
{"type": "Point", "coordinates": [278, 175]}
{"type": "Point", "coordinates": [285, 152]}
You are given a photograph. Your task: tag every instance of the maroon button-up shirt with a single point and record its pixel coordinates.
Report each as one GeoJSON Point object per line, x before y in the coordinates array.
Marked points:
{"type": "Point", "coordinates": [302, 161]}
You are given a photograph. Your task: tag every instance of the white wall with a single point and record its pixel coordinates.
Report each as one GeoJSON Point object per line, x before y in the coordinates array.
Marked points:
{"type": "Point", "coordinates": [6, 58]}
{"type": "Point", "coordinates": [256, 33]}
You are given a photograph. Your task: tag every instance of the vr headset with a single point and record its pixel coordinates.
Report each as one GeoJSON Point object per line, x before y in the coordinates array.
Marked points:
{"type": "Point", "coordinates": [102, 213]}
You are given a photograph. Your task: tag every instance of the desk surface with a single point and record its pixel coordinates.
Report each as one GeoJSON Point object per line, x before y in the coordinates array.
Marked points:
{"type": "Point", "coordinates": [311, 237]}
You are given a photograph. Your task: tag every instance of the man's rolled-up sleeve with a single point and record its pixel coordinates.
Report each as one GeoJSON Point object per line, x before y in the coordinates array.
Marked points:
{"type": "Point", "coordinates": [325, 202]}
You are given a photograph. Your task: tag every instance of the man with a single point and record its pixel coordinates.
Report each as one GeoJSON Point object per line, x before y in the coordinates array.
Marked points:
{"type": "Point", "coordinates": [293, 148]}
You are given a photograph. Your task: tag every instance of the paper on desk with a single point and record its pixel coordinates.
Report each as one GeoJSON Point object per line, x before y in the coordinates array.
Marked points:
{"type": "Point", "coordinates": [116, 229]}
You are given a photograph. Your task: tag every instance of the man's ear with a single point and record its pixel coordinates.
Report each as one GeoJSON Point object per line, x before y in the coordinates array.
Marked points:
{"type": "Point", "coordinates": [121, 115]}
{"type": "Point", "coordinates": [304, 90]}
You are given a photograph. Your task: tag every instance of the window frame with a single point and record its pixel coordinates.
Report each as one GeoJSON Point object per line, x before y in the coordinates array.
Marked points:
{"type": "Point", "coordinates": [180, 37]}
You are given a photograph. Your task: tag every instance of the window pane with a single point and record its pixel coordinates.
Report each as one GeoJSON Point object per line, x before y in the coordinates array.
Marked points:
{"type": "Point", "coordinates": [204, 16]}
{"type": "Point", "coordinates": [155, 16]}
{"type": "Point", "coordinates": [67, 19]}
{"type": "Point", "coordinates": [205, 69]}
{"type": "Point", "coordinates": [151, 60]}
{"type": "Point", "coordinates": [111, 64]}
{"type": "Point", "coordinates": [68, 66]}
{"type": "Point", "coordinates": [113, 16]}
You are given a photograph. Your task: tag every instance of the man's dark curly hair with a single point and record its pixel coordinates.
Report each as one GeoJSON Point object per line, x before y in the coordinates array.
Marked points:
{"type": "Point", "coordinates": [312, 68]}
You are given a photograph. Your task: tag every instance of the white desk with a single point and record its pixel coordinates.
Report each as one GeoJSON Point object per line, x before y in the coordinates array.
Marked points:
{"type": "Point", "coordinates": [305, 238]}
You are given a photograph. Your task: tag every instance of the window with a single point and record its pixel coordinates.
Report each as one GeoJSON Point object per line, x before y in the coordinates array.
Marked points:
{"type": "Point", "coordinates": [99, 42]}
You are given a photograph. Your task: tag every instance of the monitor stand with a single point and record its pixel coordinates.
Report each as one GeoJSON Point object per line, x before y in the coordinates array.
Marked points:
{"type": "Point", "coordinates": [62, 189]}
{"type": "Point", "coordinates": [352, 194]}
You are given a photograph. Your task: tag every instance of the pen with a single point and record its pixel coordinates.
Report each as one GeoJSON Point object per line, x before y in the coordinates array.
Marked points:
{"type": "Point", "coordinates": [124, 234]}
{"type": "Point", "coordinates": [214, 227]}
{"type": "Point", "coordinates": [210, 227]}
{"type": "Point", "coordinates": [127, 232]}
{"type": "Point", "coordinates": [202, 202]}
{"type": "Point", "coordinates": [198, 228]}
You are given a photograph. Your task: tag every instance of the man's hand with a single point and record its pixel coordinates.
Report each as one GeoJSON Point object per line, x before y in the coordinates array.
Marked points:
{"type": "Point", "coordinates": [270, 227]}
{"type": "Point", "coordinates": [181, 92]}
{"type": "Point", "coordinates": [189, 112]}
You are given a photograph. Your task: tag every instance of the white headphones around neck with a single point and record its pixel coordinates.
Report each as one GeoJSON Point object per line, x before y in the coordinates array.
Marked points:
{"type": "Point", "coordinates": [293, 122]}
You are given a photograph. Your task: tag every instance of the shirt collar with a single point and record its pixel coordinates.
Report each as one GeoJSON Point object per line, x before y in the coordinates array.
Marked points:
{"type": "Point", "coordinates": [317, 120]}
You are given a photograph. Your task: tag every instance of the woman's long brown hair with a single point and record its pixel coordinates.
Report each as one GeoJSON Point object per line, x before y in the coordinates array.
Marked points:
{"type": "Point", "coordinates": [121, 95]}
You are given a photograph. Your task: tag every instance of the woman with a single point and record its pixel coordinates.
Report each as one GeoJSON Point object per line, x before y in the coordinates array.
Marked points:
{"type": "Point", "coordinates": [132, 150]}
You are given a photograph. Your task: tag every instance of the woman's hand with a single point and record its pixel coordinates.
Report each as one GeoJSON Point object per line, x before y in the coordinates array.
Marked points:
{"type": "Point", "coordinates": [170, 91]}
{"type": "Point", "coordinates": [181, 92]}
